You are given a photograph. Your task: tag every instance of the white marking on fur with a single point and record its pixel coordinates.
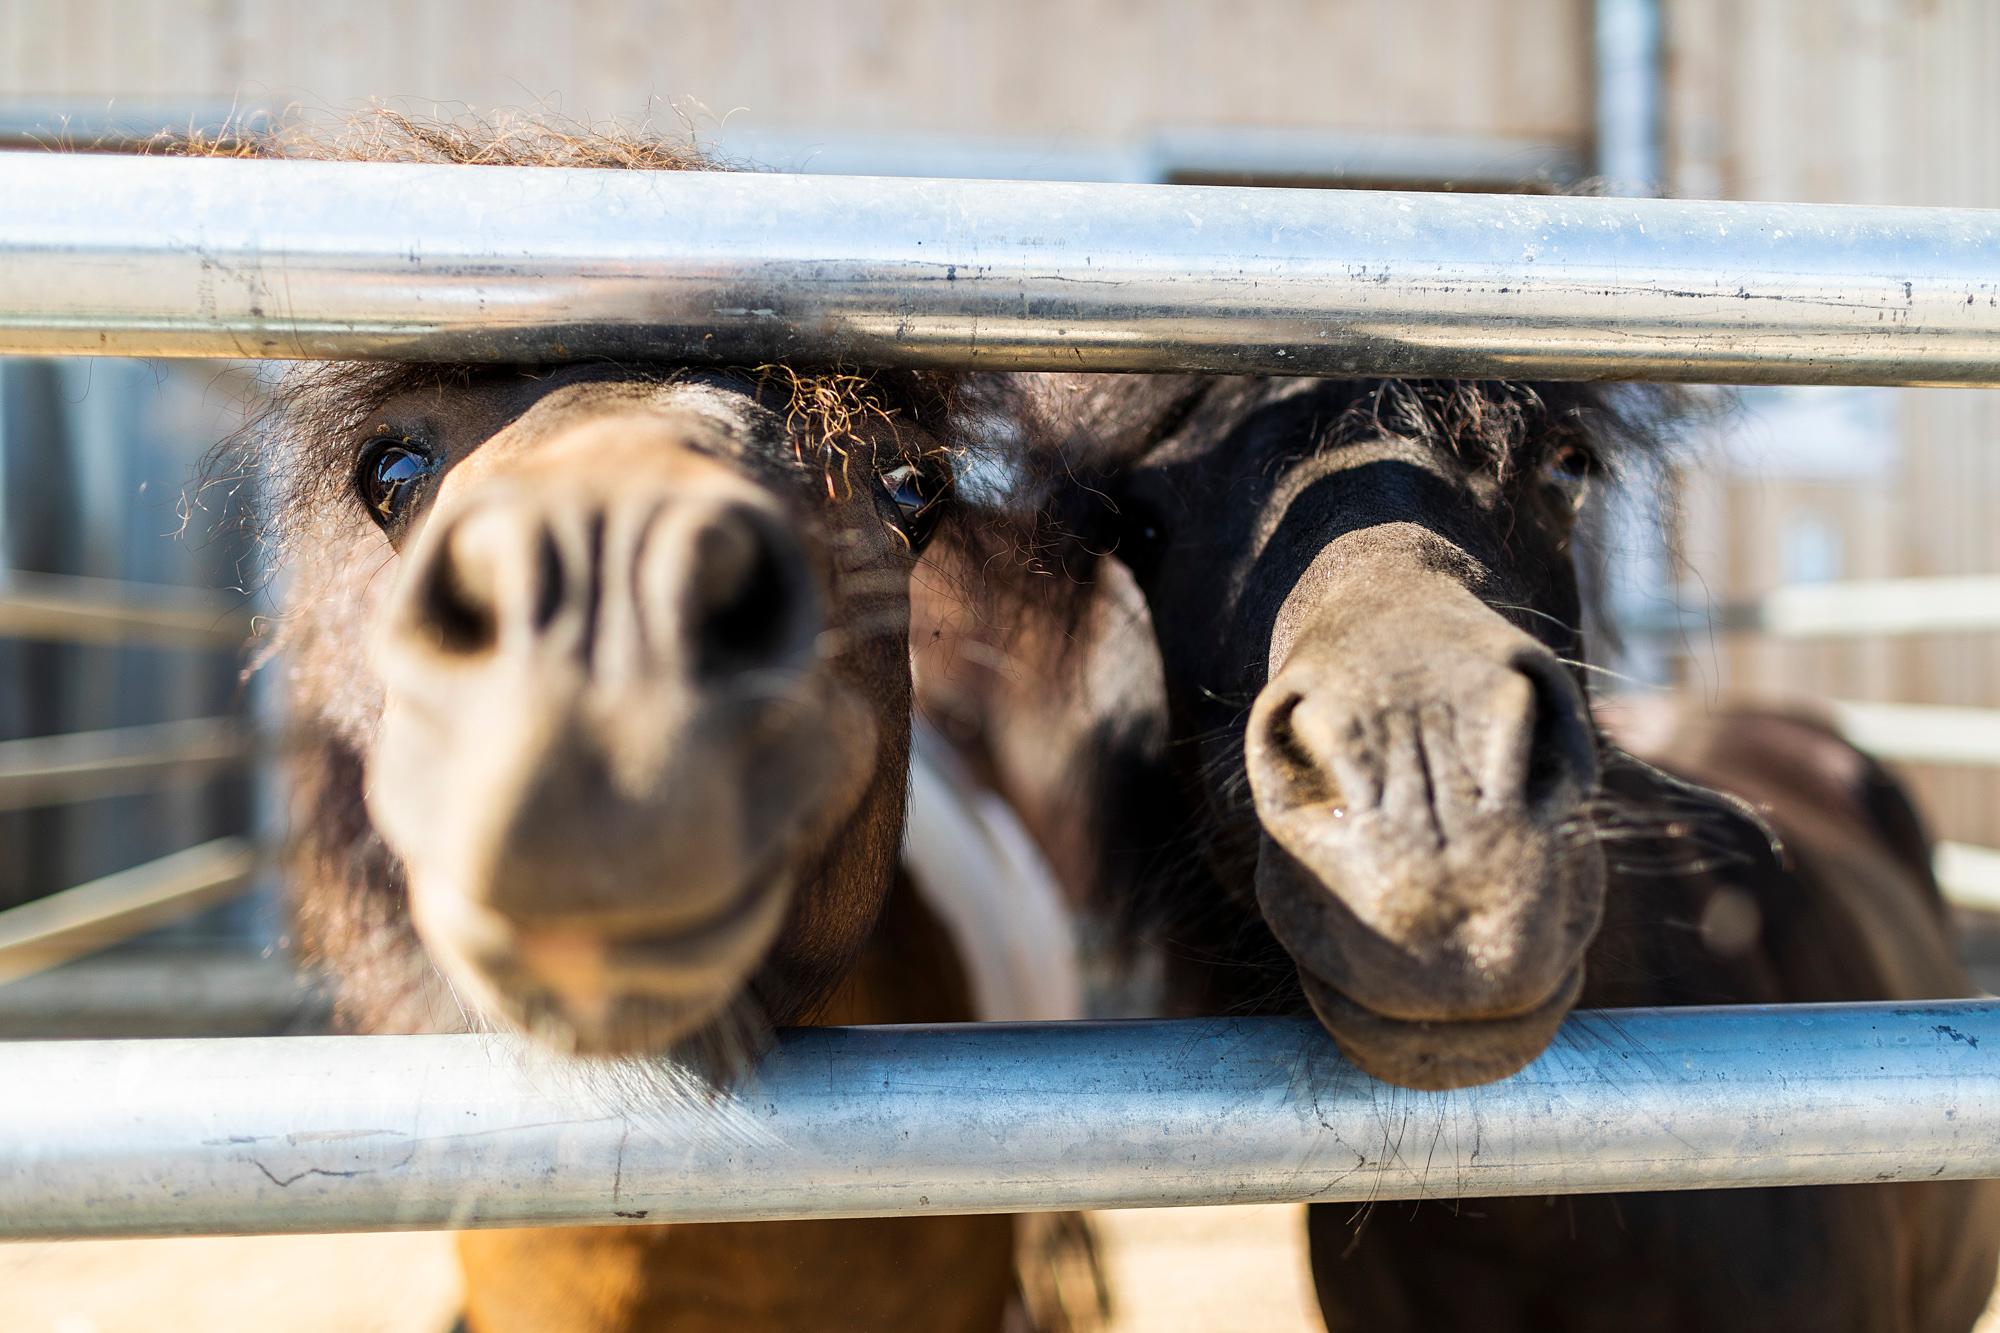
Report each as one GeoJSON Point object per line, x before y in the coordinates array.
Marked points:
{"type": "Point", "coordinates": [978, 870]}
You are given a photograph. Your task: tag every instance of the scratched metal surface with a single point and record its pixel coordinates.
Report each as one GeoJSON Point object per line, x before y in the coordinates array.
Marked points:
{"type": "Point", "coordinates": [381, 1133]}
{"type": "Point", "coordinates": [174, 257]}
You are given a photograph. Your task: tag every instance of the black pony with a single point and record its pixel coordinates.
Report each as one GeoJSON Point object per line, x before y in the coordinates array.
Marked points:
{"type": "Point", "coordinates": [1352, 767]}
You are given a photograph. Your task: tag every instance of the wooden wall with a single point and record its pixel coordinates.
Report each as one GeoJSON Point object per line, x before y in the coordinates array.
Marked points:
{"type": "Point", "coordinates": [1094, 69]}
{"type": "Point", "coordinates": [1870, 102]}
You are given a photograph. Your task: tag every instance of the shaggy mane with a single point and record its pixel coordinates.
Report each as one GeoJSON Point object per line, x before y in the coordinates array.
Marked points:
{"type": "Point", "coordinates": [382, 134]}
{"type": "Point", "coordinates": [1040, 560]}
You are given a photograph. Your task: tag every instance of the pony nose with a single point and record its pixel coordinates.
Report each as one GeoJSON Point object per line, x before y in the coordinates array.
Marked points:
{"type": "Point", "coordinates": [633, 586]}
{"type": "Point", "coordinates": [1541, 750]}
{"type": "Point", "coordinates": [1511, 737]}
{"type": "Point", "coordinates": [747, 588]}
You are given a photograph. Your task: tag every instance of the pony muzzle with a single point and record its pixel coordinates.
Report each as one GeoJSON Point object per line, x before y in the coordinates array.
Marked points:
{"type": "Point", "coordinates": [608, 728]}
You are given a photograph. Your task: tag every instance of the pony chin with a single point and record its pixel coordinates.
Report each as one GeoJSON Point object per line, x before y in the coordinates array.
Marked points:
{"type": "Point", "coordinates": [1436, 1056]}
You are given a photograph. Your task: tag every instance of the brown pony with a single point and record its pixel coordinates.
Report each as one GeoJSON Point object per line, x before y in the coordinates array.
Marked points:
{"type": "Point", "coordinates": [601, 689]}
{"type": "Point", "coordinates": [1360, 777]}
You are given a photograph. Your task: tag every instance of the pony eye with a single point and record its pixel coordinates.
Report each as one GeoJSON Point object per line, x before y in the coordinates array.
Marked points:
{"type": "Point", "coordinates": [389, 476]}
{"type": "Point", "coordinates": [1569, 470]}
{"type": "Point", "coordinates": [1140, 541]}
{"type": "Point", "coordinates": [916, 496]}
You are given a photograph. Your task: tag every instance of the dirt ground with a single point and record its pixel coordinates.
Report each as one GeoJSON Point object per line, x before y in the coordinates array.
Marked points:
{"type": "Point", "coordinates": [1175, 1270]}
{"type": "Point", "coordinates": [387, 1283]}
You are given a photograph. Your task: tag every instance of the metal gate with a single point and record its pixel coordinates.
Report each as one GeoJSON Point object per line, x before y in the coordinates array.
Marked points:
{"type": "Point", "coordinates": [161, 257]}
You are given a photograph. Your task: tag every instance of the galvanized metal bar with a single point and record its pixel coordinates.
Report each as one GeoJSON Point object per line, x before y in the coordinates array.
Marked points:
{"type": "Point", "coordinates": [1854, 608]}
{"type": "Point", "coordinates": [1288, 154]}
{"type": "Point", "coordinates": [1628, 83]}
{"type": "Point", "coordinates": [103, 611]}
{"type": "Point", "coordinates": [176, 990]}
{"type": "Point", "coordinates": [356, 1133]}
{"type": "Point", "coordinates": [49, 931]}
{"type": "Point", "coordinates": [182, 257]}
{"type": "Point", "coordinates": [1921, 733]}
{"type": "Point", "coordinates": [1969, 875]}
{"type": "Point", "coordinates": [121, 125]}
{"type": "Point", "coordinates": [82, 765]}
{"type": "Point", "coordinates": [1860, 607]}
{"type": "Point", "coordinates": [1268, 154]}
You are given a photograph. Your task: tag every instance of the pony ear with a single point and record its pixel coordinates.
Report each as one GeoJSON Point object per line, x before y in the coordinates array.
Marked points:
{"type": "Point", "coordinates": [1705, 827]}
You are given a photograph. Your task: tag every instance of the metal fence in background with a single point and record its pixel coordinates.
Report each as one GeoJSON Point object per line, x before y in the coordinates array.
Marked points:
{"type": "Point", "coordinates": [1899, 733]}
{"type": "Point", "coordinates": [181, 258]}
{"type": "Point", "coordinates": [125, 731]}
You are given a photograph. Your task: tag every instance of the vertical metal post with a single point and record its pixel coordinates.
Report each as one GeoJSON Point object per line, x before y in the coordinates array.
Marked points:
{"type": "Point", "coordinates": [1629, 100]}
{"type": "Point", "coordinates": [1637, 575]}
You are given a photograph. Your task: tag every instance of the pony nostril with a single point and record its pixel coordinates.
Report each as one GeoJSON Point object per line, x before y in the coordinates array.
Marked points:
{"type": "Point", "coordinates": [1291, 764]}
{"type": "Point", "coordinates": [548, 581]}
{"type": "Point", "coordinates": [746, 596]}
{"type": "Point", "coordinates": [1561, 759]}
{"type": "Point", "coordinates": [454, 606]}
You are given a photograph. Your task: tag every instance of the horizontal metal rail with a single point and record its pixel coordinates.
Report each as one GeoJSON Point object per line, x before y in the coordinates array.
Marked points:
{"type": "Point", "coordinates": [1921, 733]}
{"type": "Point", "coordinates": [1237, 152]}
{"type": "Point", "coordinates": [41, 934]}
{"type": "Point", "coordinates": [1969, 875]}
{"type": "Point", "coordinates": [388, 1133]}
{"type": "Point", "coordinates": [102, 611]}
{"type": "Point", "coordinates": [176, 990]}
{"type": "Point", "coordinates": [1858, 608]}
{"type": "Point", "coordinates": [176, 257]}
{"type": "Point", "coordinates": [83, 765]}
{"type": "Point", "coordinates": [118, 125]}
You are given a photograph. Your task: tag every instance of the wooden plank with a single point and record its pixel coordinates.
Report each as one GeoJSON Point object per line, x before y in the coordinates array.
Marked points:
{"type": "Point", "coordinates": [41, 934]}
{"type": "Point", "coordinates": [50, 770]}
{"type": "Point", "coordinates": [100, 611]}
